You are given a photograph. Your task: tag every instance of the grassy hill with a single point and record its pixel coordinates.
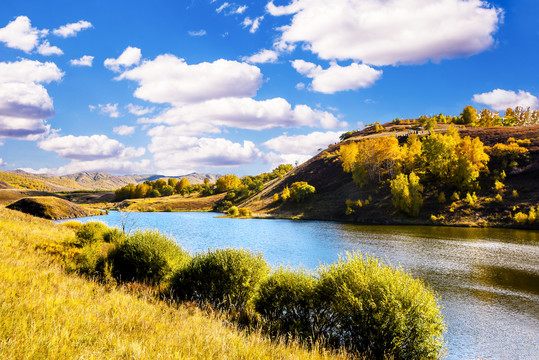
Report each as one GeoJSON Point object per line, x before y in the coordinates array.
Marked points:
{"type": "Point", "coordinates": [334, 187]}
{"type": "Point", "coordinates": [46, 313]}
{"type": "Point", "coordinates": [51, 207]}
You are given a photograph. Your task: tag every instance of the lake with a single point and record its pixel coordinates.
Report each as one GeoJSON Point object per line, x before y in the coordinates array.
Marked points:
{"type": "Point", "coordinates": [487, 279]}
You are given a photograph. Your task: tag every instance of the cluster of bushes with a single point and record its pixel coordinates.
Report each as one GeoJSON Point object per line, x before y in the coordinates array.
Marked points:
{"type": "Point", "coordinates": [235, 211]}
{"type": "Point", "coordinates": [298, 192]}
{"type": "Point", "coordinates": [357, 303]}
{"type": "Point", "coordinates": [241, 189]}
{"type": "Point", "coordinates": [157, 188]}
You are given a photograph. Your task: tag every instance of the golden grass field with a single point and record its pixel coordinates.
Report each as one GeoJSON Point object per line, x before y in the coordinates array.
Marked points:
{"type": "Point", "coordinates": [46, 313]}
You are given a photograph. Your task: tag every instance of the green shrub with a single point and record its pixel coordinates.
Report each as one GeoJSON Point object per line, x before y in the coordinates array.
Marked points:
{"type": "Point", "coordinates": [93, 259]}
{"type": "Point", "coordinates": [225, 278]}
{"type": "Point", "coordinates": [113, 235]}
{"type": "Point", "coordinates": [168, 209]}
{"type": "Point", "coordinates": [91, 232]}
{"type": "Point", "coordinates": [245, 212]}
{"type": "Point", "coordinates": [378, 311]}
{"type": "Point", "coordinates": [146, 256]}
{"type": "Point", "coordinates": [285, 302]}
{"type": "Point", "coordinates": [301, 191]}
{"type": "Point", "coordinates": [233, 211]}
{"type": "Point", "coordinates": [455, 196]}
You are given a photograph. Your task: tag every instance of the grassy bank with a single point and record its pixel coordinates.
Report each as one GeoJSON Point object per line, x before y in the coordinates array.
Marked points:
{"type": "Point", "coordinates": [46, 313]}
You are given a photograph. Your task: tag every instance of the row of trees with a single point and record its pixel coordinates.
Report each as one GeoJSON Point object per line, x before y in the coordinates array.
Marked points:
{"type": "Point", "coordinates": [238, 189]}
{"type": "Point", "coordinates": [440, 160]}
{"type": "Point", "coordinates": [157, 188]}
{"type": "Point", "coordinates": [470, 116]}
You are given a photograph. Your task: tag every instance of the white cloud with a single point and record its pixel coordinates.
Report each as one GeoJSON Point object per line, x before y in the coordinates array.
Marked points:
{"type": "Point", "coordinates": [337, 78]}
{"type": "Point", "coordinates": [278, 159]}
{"type": "Point", "coordinates": [240, 9]}
{"type": "Point", "coordinates": [139, 110]}
{"type": "Point", "coordinates": [124, 130]}
{"type": "Point", "coordinates": [300, 86]}
{"type": "Point", "coordinates": [24, 103]}
{"type": "Point", "coordinates": [19, 34]}
{"type": "Point", "coordinates": [303, 144]}
{"type": "Point", "coordinates": [500, 100]}
{"type": "Point", "coordinates": [181, 154]}
{"type": "Point", "coordinates": [168, 79]}
{"type": "Point", "coordinates": [46, 49]}
{"type": "Point", "coordinates": [192, 129]}
{"type": "Point", "coordinates": [389, 32]}
{"type": "Point", "coordinates": [245, 113]}
{"type": "Point", "coordinates": [201, 32]}
{"type": "Point", "coordinates": [131, 56]}
{"type": "Point", "coordinates": [2, 162]}
{"type": "Point", "coordinates": [86, 60]}
{"type": "Point", "coordinates": [71, 29]}
{"type": "Point", "coordinates": [222, 7]}
{"type": "Point", "coordinates": [89, 148]}
{"type": "Point", "coordinates": [252, 24]}
{"type": "Point", "coordinates": [27, 71]}
{"type": "Point", "coordinates": [263, 56]}
{"type": "Point", "coordinates": [110, 110]}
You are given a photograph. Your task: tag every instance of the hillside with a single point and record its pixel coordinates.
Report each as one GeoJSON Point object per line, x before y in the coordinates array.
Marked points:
{"type": "Point", "coordinates": [334, 187]}
{"type": "Point", "coordinates": [47, 313]}
{"type": "Point", "coordinates": [52, 208]}
{"type": "Point", "coordinates": [84, 180]}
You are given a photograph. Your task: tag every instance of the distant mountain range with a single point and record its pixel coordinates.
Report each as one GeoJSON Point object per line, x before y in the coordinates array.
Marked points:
{"type": "Point", "coordinates": [85, 180]}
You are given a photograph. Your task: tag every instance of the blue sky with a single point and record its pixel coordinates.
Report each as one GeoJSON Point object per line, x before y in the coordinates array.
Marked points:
{"type": "Point", "coordinates": [173, 87]}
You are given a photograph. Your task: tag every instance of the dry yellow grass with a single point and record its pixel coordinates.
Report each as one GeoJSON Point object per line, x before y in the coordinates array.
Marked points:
{"type": "Point", "coordinates": [46, 313]}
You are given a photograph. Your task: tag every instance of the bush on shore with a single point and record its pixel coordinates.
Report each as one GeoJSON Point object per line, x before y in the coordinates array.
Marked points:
{"type": "Point", "coordinates": [227, 279]}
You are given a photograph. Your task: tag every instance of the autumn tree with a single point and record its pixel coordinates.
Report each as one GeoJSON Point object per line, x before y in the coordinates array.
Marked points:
{"type": "Point", "coordinates": [406, 191]}
{"type": "Point", "coordinates": [182, 185]}
{"type": "Point", "coordinates": [172, 182]}
{"type": "Point", "coordinates": [167, 190]}
{"type": "Point", "coordinates": [159, 184]}
{"type": "Point", "coordinates": [468, 116]}
{"type": "Point", "coordinates": [227, 182]}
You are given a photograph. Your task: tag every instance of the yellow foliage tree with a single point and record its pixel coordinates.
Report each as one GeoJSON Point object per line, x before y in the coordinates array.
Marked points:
{"type": "Point", "coordinates": [227, 182]}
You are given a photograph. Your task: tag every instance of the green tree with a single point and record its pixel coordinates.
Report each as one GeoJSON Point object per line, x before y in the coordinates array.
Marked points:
{"type": "Point", "coordinates": [301, 190]}
{"type": "Point", "coordinates": [167, 190]}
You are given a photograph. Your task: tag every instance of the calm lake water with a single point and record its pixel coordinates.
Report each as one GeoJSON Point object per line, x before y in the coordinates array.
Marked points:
{"type": "Point", "coordinates": [487, 279]}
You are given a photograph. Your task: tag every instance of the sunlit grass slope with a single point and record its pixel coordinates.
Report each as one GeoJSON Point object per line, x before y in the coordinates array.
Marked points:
{"type": "Point", "coordinates": [46, 313]}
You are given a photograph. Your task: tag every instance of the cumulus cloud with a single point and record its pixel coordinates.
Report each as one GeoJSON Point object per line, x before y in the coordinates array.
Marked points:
{"type": "Point", "coordinates": [246, 113]}
{"type": "Point", "coordinates": [252, 24]}
{"type": "Point", "coordinates": [2, 162]}
{"type": "Point", "coordinates": [500, 100]}
{"type": "Point", "coordinates": [28, 71]}
{"type": "Point", "coordinates": [168, 79]}
{"type": "Point", "coordinates": [181, 154]}
{"type": "Point", "coordinates": [46, 49]}
{"type": "Point", "coordinates": [110, 110]}
{"type": "Point", "coordinates": [201, 32]}
{"type": "Point", "coordinates": [240, 9]}
{"type": "Point", "coordinates": [390, 32]}
{"type": "Point", "coordinates": [278, 159]}
{"type": "Point", "coordinates": [263, 56]}
{"type": "Point", "coordinates": [24, 102]}
{"type": "Point", "coordinates": [89, 148]}
{"type": "Point", "coordinates": [337, 78]}
{"type": "Point", "coordinates": [19, 34]}
{"type": "Point", "coordinates": [139, 110]}
{"type": "Point", "coordinates": [124, 130]}
{"type": "Point", "coordinates": [131, 56]}
{"type": "Point", "coordinates": [303, 144]}
{"type": "Point", "coordinates": [86, 60]}
{"type": "Point", "coordinates": [72, 29]}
